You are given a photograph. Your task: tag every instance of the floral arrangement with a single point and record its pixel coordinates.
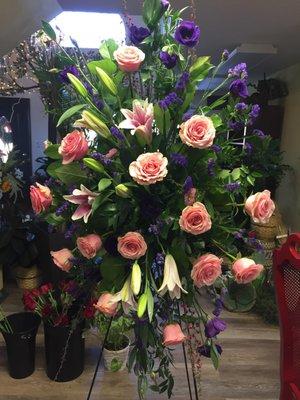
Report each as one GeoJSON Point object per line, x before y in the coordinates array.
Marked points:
{"type": "Point", "coordinates": [11, 178]}
{"type": "Point", "coordinates": [145, 199]}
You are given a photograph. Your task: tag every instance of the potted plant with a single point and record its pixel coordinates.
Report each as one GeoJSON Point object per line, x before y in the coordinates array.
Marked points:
{"type": "Point", "coordinates": [116, 348]}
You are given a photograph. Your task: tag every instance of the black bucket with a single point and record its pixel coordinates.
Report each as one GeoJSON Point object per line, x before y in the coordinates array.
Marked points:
{"type": "Point", "coordinates": [20, 345]}
{"type": "Point", "coordinates": [64, 352]}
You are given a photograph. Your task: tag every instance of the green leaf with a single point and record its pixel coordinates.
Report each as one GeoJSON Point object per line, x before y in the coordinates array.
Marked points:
{"type": "Point", "coordinates": [53, 167]}
{"type": "Point", "coordinates": [152, 12]}
{"type": "Point", "coordinates": [200, 69]}
{"type": "Point", "coordinates": [47, 28]}
{"type": "Point", "coordinates": [52, 151]}
{"type": "Point", "coordinates": [216, 119]}
{"type": "Point", "coordinates": [54, 219]}
{"type": "Point", "coordinates": [104, 183]}
{"type": "Point", "coordinates": [107, 65]}
{"type": "Point", "coordinates": [71, 173]}
{"type": "Point", "coordinates": [236, 173]}
{"type": "Point", "coordinates": [107, 81]}
{"type": "Point", "coordinates": [94, 165]}
{"type": "Point", "coordinates": [218, 103]}
{"type": "Point", "coordinates": [250, 180]}
{"type": "Point", "coordinates": [71, 111]}
{"type": "Point", "coordinates": [214, 355]}
{"type": "Point", "coordinates": [107, 49]}
{"type": "Point", "coordinates": [112, 268]}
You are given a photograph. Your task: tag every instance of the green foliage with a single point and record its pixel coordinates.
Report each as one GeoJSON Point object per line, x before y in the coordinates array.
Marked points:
{"type": "Point", "coordinates": [107, 49]}
{"type": "Point", "coordinates": [71, 174]}
{"type": "Point", "coordinates": [117, 339]}
{"type": "Point", "coordinates": [69, 113]}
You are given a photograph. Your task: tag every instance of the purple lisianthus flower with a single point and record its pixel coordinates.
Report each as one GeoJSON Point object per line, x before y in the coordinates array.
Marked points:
{"type": "Point", "coordinates": [187, 33]}
{"type": "Point", "coordinates": [214, 326]}
{"type": "Point", "coordinates": [216, 148]}
{"type": "Point", "coordinates": [165, 4]}
{"type": "Point", "coordinates": [255, 111]}
{"type": "Point", "coordinates": [188, 185]}
{"type": "Point", "coordinates": [169, 60]}
{"type": "Point", "coordinates": [259, 133]}
{"type": "Point", "coordinates": [232, 186]}
{"type": "Point", "coordinates": [240, 107]}
{"type": "Point", "coordinates": [205, 350]}
{"type": "Point", "coordinates": [239, 71]}
{"type": "Point", "coordinates": [179, 159]}
{"type": "Point", "coordinates": [70, 69]}
{"type": "Point", "coordinates": [137, 35]}
{"type": "Point", "coordinates": [239, 88]}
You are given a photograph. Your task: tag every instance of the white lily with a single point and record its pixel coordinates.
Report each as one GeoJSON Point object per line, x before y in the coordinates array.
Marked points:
{"type": "Point", "coordinates": [125, 295]}
{"type": "Point", "coordinates": [171, 281]}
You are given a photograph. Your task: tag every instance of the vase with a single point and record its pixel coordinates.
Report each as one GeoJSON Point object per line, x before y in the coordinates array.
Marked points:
{"type": "Point", "coordinates": [28, 278]}
{"type": "Point", "coordinates": [20, 344]}
{"type": "Point", "coordinates": [116, 360]}
{"type": "Point", "coordinates": [64, 350]}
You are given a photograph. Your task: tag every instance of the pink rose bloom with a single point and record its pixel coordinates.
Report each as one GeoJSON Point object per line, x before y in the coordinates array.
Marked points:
{"type": "Point", "coordinates": [129, 58]}
{"type": "Point", "coordinates": [139, 120]}
{"type": "Point", "coordinates": [84, 198]}
{"type": "Point", "coordinates": [106, 305]}
{"type": "Point", "coordinates": [89, 245]}
{"type": "Point", "coordinates": [198, 131]}
{"type": "Point", "coordinates": [149, 168]}
{"type": "Point", "coordinates": [132, 245]}
{"type": "Point", "coordinates": [245, 270]}
{"type": "Point", "coordinates": [74, 146]}
{"type": "Point", "coordinates": [195, 219]}
{"type": "Point", "coordinates": [40, 197]}
{"type": "Point", "coordinates": [206, 269]}
{"type": "Point", "coordinates": [190, 197]}
{"type": "Point", "coordinates": [173, 335]}
{"type": "Point", "coordinates": [260, 207]}
{"type": "Point", "coordinates": [62, 258]}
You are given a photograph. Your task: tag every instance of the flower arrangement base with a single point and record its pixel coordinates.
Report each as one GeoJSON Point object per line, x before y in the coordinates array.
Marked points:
{"type": "Point", "coordinates": [240, 298]}
{"type": "Point", "coordinates": [20, 345]}
{"type": "Point", "coordinates": [28, 278]}
{"type": "Point", "coordinates": [64, 352]}
{"type": "Point", "coordinates": [116, 360]}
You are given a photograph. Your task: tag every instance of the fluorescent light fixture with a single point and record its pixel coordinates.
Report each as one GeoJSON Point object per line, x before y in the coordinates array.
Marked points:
{"type": "Point", "coordinates": [89, 28]}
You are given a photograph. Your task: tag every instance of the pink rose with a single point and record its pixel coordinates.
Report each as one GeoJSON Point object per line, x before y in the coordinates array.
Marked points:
{"type": "Point", "coordinates": [74, 146]}
{"type": "Point", "coordinates": [62, 258]}
{"type": "Point", "coordinates": [195, 219]}
{"type": "Point", "coordinates": [173, 335]}
{"type": "Point", "coordinates": [129, 58]}
{"type": "Point", "coordinates": [190, 197]}
{"type": "Point", "coordinates": [149, 168]}
{"type": "Point", "coordinates": [89, 245]}
{"type": "Point", "coordinates": [132, 245]}
{"type": "Point", "coordinates": [40, 197]}
{"type": "Point", "coordinates": [260, 207]}
{"type": "Point", "coordinates": [198, 131]}
{"type": "Point", "coordinates": [206, 269]}
{"type": "Point", "coordinates": [106, 305]}
{"type": "Point", "coordinates": [245, 270]}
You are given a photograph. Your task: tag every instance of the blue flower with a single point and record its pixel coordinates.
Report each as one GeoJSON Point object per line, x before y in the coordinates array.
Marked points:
{"type": "Point", "coordinates": [239, 88]}
{"type": "Point", "coordinates": [169, 60]}
{"type": "Point", "coordinates": [187, 33]}
{"type": "Point", "coordinates": [137, 35]}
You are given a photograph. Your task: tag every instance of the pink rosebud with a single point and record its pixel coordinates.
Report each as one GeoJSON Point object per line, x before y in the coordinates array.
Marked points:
{"type": "Point", "coordinates": [195, 219]}
{"type": "Point", "coordinates": [129, 58]}
{"type": "Point", "coordinates": [62, 258]}
{"type": "Point", "coordinates": [89, 245]}
{"type": "Point", "coordinates": [40, 197]}
{"type": "Point", "coordinates": [245, 270]}
{"type": "Point", "coordinates": [206, 269]}
{"type": "Point", "coordinates": [132, 245]}
{"type": "Point", "coordinates": [106, 305]}
{"type": "Point", "coordinates": [198, 132]}
{"type": "Point", "coordinates": [173, 335]}
{"type": "Point", "coordinates": [260, 207]}
{"type": "Point", "coordinates": [111, 153]}
{"type": "Point", "coordinates": [74, 146]}
{"type": "Point", "coordinates": [149, 168]}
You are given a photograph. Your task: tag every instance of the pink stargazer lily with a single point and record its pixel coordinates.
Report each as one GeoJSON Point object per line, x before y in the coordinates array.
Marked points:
{"type": "Point", "coordinates": [140, 119]}
{"type": "Point", "coordinates": [84, 198]}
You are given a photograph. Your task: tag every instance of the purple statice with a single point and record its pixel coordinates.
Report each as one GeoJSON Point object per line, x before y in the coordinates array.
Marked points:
{"type": "Point", "coordinates": [179, 159]}
{"type": "Point", "coordinates": [204, 350]}
{"type": "Point", "coordinates": [255, 111]}
{"type": "Point", "coordinates": [117, 133]}
{"type": "Point", "coordinates": [248, 148]}
{"type": "Point", "coordinates": [238, 71]}
{"type": "Point", "coordinates": [169, 60]}
{"type": "Point", "coordinates": [235, 126]}
{"type": "Point", "coordinates": [102, 158]}
{"type": "Point", "coordinates": [88, 88]}
{"type": "Point", "coordinates": [183, 81]}
{"type": "Point", "coordinates": [256, 244]}
{"type": "Point", "coordinates": [214, 326]}
{"type": "Point", "coordinates": [260, 134]}
{"type": "Point", "coordinates": [60, 210]}
{"type": "Point", "coordinates": [188, 184]}
{"type": "Point", "coordinates": [98, 102]}
{"type": "Point", "coordinates": [169, 100]}
{"type": "Point", "coordinates": [216, 148]}
{"type": "Point", "coordinates": [70, 69]}
{"type": "Point", "coordinates": [211, 163]}
{"type": "Point", "coordinates": [138, 34]}
{"type": "Point", "coordinates": [187, 33]}
{"type": "Point", "coordinates": [232, 186]}
{"type": "Point", "coordinates": [225, 55]}
{"type": "Point", "coordinates": [71, 188]}
{"type": "Point", "coordinates": [241, 107]}
{"type": "Point", "coordinates": [239, 235]}
{"type": "Point", "coordinates": [239, 88]}
{"type": "Point", "coordinates": [218, 307]}
{"type": "Point", "coordinates": [70, 231]}
{"type": "Point", "coordinates": [155, 229]}
{"type": "Point", "coordinates": [157, 265]}
{"type": "Point", "coordinates": [188, 115]}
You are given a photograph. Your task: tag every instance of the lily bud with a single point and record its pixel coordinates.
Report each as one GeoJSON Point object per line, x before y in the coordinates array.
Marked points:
{"type": "Point", "coordinates": [93, 121]}
{"type": "Point", "coordinates": [107, 81]}
{"type": "Point", "coordinates": [123, 191]}
{"type": "Point", "coordinates": [78, 86]}
{"type": "Point", "coordinates": [142, 305]}
{"type": "Point", "coordinates": [53, 70]}
{"type": "Point", "coordinates": [136, 278]}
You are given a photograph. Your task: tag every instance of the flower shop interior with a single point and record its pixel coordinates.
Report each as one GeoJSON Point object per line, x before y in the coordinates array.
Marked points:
{"type": "Point", "coordinates": [149, 199]}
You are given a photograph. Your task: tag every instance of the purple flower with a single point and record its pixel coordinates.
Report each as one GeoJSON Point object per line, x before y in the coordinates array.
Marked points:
{"type": "Point", "coordinates": [117, 133]}
{"type": "Point", "coordinates": [165, 4]}
{"type": "Point", "coordinates": [188, 115]}
{"type": "Point", "coordinates": [102, 158]}
{"type": "Point", "coordinates": [187, 33]}
{"type": "Point", "coordinates": [214, 326]}
{"type": "Point", "coordinates": [188, 185]}
{"type": "Point", "coordinates": [169, 100]}
{"type": "Point", "coordinates": [137, 35]}
{"type": "Point", "coordinates": [211, 167]}
{"type": "Point", "coordinates": [255, 111]}
{"type": "Point", "coordinates": [70, 232]}
{"type": "Point", "coordinates": [235, 126]}
{"type": "Point", "coordinates": [169, 60]}
{"type": "Point", "coordinates": [157, 265]}
{"type": "Point", "coordinates": [248, 148]}
{"type": "Point", "coordinates": [183, 81]}
{"type": "Point", "coordinates": [239, 71]}
{"type": "Point", "coordinates": [98, 102]}
{"type": "Point", "coordinates": [239, 88]}
{"type": "Point", "coordinates": [258, 133]}
{"type": "Point", "coordinates": [216, 148]}
{"type": "Point", "coordinates": [240, 107]}
{"type": "Point", "coordinates": [88, 88]}
{"type": "Point", "coordinates": [233, 186]}
{"type": "Point", "coordinates": [225, 55]}
{"type": "Point", "coordinates": [204, 350]}
{"type": "Point", "coordinates": [240, 234]}
{"type": "Point", "coordinates": [60, 210]}
{"type": "Point", "coordinates": [70, 69]}
{"type": "Point", "coordinates": [179, 159]}
{"type": "Point", "coordinates": [218, 307]}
